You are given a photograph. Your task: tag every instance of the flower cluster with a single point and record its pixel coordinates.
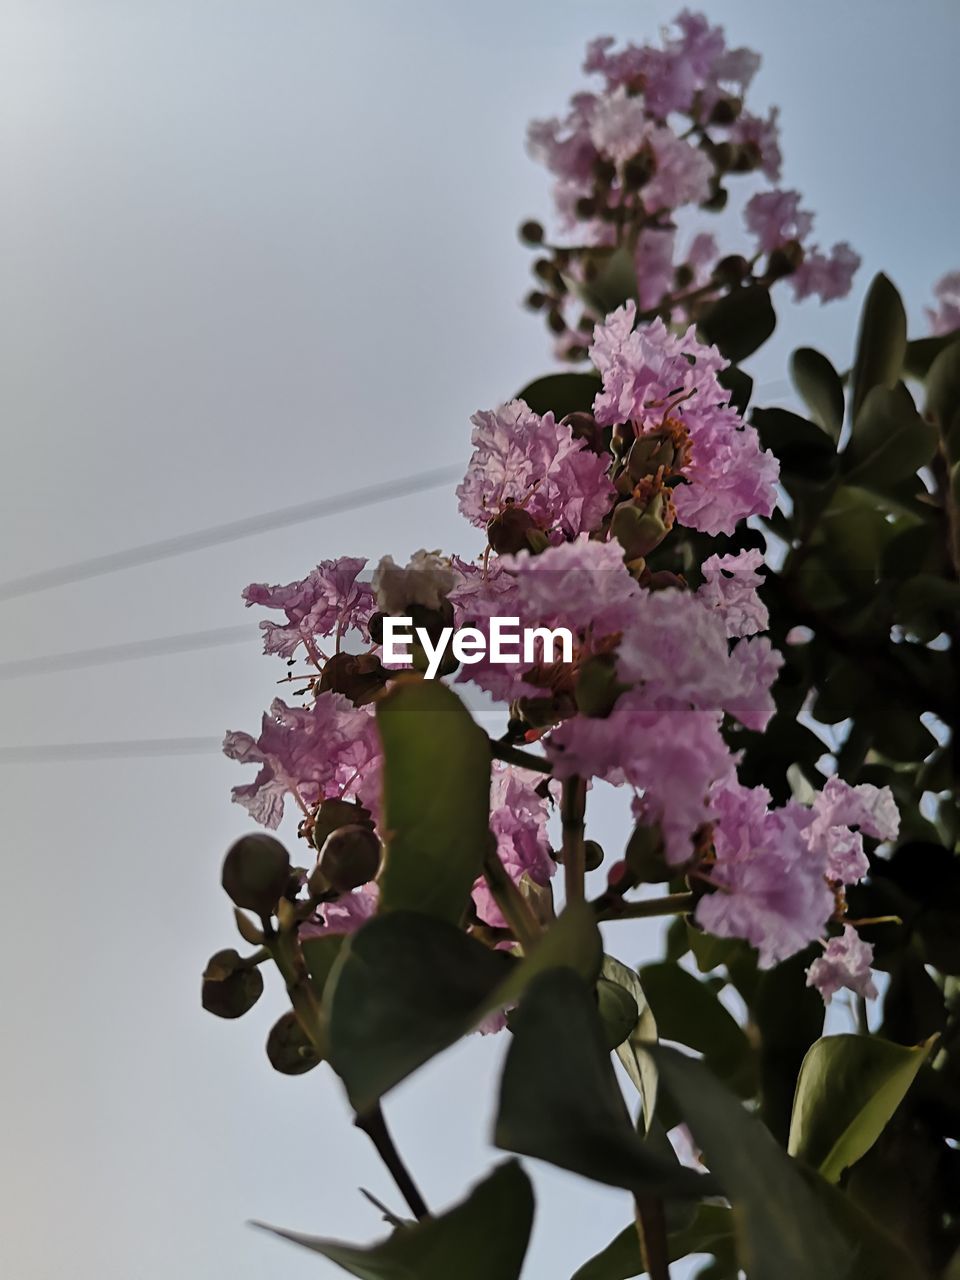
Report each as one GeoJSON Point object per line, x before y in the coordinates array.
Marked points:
{"type": "Point", "coordinates": [946, 318]}
{"type": "Point", "coordinates": [658, 141]}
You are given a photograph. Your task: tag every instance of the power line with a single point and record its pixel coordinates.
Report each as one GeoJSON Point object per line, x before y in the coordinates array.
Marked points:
{"type": "Point", "coordinates": [68, 752]}
{"type": "Point", "coordinates": [134, 649]}
{"type": "Point", "coordinates": [217, 535]}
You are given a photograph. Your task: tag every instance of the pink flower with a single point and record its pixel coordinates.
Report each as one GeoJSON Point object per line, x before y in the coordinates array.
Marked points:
{"type": "Point", "coordinates": [775, 217]}
{"type": "Point", "coordinates": [328, 601]}
{"type": "Point", "coordinates": [672, 757]}
{"type": "Point", "coordinates": [518, 820]}
{"type": "Point", "coordinates": [730, 586]}
{"type": "Point", "coordinates": [619, 126]}
{"type": "Point", "coordinates": [837, 808]}
{"type": "Point", "coordinates": [946, 318]}
{"type": "Point", "coordinates": [653, 259]}
{"type": "Point", "coordinates": [829, 277]}
{"type": "Point", "coordinates": [583, 585]}
{"type": "Point", "coordinates": [682, 174]}
{"type": "Point", "coordinates": [536, 463]}
{"type": "Point", "coordinates": [770, 886]}
{"type": "Point", "coordinates": [345, 914]}
{"type": "Point", "coordinates": [657, 379]}
{"type": "Point", "coordinates": [845, 963]}
{"type": "Point", "coordinates": [764, 134]}
{"type": "Point", "coordinates": [311, 753]}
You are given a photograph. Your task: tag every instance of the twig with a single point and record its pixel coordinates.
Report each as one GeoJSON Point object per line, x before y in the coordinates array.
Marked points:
{"type": "Point", "coordinates": [375, 1127]}
{"type": "Point", "coordinates": [525, 759]}
{"type": "Point", "coordinates": [573, 803]}
{"type": "Point", "coordinates": [674, 904]}
{"type": "Point", "coordinates": [513, 905]}
{"type": "Point", "coordinates": [652, 1234]}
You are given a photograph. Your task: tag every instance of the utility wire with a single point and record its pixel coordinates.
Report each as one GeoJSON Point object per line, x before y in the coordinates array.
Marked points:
{"type": "Point", "coordinates": [186, 643]}
{"type": "Point", "coordinates": [68, 752]}
{"type": "Point", "coordinates": [217, 535]}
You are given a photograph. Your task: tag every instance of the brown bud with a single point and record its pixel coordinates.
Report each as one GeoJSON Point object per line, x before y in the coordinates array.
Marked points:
{"type": "Point", "coordinates": [593, 854]}
{"type": "Point", "coordinates": [535, 300]}
{"type": "Point", "coordinates": [349, 858]}
{"type": "Point", "coordinates": [531, 232]}
{"type": "Point", "coordinates": [731, 270]}
{"type": "Point", "coordinates": [726, 110]}
{"type": "Point", "coordinates": [716, 201]}
{"type": "Point", "coordinates": [359, 677]}
{"type": "Point", "coordinates": [785, 260]}
{"type": "Point", "coordinates": [638, 171]}
{"type": "Point", "coordinates": [256, 872]}
{"type": "Point", "coordinates": [230, 988]}
{"type": "Point", "coordinates": [586, 207]}
{"type": "Point", "coordinates": [289, 1050]}
{"type": "Point", "coordinates": [336, 813]}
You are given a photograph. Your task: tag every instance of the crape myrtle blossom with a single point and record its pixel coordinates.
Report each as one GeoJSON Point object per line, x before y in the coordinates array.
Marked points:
{"type": "Point", "coordinates": [776, 870]}
{"type": "Point", "coordinates": [518, 820]}
{"type": "Point", "coordinates": [777, 221]}
{"type": "Point", "coordinates": [535, 463]}
{"type": "Point", "coordinates": [658, 380]}
{"type": "Point", "coordinates": [946, 318]}
{"type": "Point", "coordinates": [730, 586]}
{"type": "Point", "coordinates": [329, 749]}
{"type": "Point", "coordinates": [425, 580]}
{"type": "Point", "coordinates": [327, 602]}
{"type": "Point", "coordinates": [845, 963]}
{"type": "Point", "coordinates": [345, 914]}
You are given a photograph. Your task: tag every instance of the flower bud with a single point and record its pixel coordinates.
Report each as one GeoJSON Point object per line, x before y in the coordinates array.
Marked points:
{"type": "Point", "coordinates": [531, 232]}
{"type": "Point", "coordinates": [597, 686]}
{"type": "Point", "coordinates": [726, 110]}
{"type": "Point", "coordinates": [785, 260]}
{"type": "Point", "coordinates": [586, 207]}
{"type": "Point", "coordinates": [731, 270]}
{"type": "Point", "coordinates": [336, 813]}
{"type": "Point", "coordinates": [584, 427]}
{"type": "Point", "coordinates": [648, 454]}
{"type": "Point", "coordinates": [593, 854]}
{"type": "Point", "coordinates": [645, 855]}
{"type": "Point", "coordinates": [683, 275]}
{"type": "Point", "coordinates": [546, 271]}
{"type": "Point", "coordinates": [256, 872]}
{"type": "Point", "coordinates": [289, 1050]}
{"type": "Point", "coordinates": [349, 858]}
{"type": "Point", "coordinates": [535, 300]}
{"type": "Point", "coordinates": [556, 322]}
{"type": "Point", "coordinates": [604, 170]}
{"type": "Point", "coordinates": [358, 676]}
{"type": "Point", "coordinates": [640, 530]}
{"type": "Point", "coordinates": [724, 154]}
{"type": "Point", "coordinates": [507, 532]}
{"type": "Point", "coordinates": [230, 988]}
{"type": "Point", "coordinates": [638, 171]}
{"type": "Point", "coordinates": [716, 201]}
{"type": "Point", "coordinates": [747, 158]}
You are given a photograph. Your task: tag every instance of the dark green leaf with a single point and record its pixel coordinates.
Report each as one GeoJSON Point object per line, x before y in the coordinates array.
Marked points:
{"type": "Point", "coordinates": [890, 440]}
{"type": "Point", "coordinates": [807, 455]}
{"type": "Point", "coordinates": [881, 344]}
{"type": "Point", "coordinates": [878, 1256]}
{"type": "Point", "coordinates": [408, 986]}
{"type": "Point", "coordinates": [711, 1231]}
{"type": "Point", "coordinates": [740, 386]}
{"type": "Point", "coordinates": [436, 798]}
{"type": "Point", "coordinates": [783, 1232]}
{"type": "Point", "coordinates": [740, 322]}
{"type": "Point", "coordinates": [922, 352]}
{"type": "Point", "coordinates": [688, 1012]}
{"type": "Point", "coordinates": [789, 1016]}
{"type": "Point", "coordinates": [485, 1236]}
{"type": "Point", "coordinates": [848, 1090]}
{"type": "Point", "coordinates": [609, 281]}
{"type": "Point", "coordinates": [559, 1099]}
{"type": "Point", "coordinates": [821, 388]}
{"type": "Point", "coordinates": [562, 393]}
{"type": "Point", "coordinates": [943, 396]}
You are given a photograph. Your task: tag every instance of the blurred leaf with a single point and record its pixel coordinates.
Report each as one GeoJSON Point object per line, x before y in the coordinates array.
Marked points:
{"type": "Point", "coordinates": [821, 388]}
{"type": "Point", "coordinates": [878, 1255]}
{"type": "Point", "coordinates": [740, 322]}
{"type": "Point", "coordinates": [688, 1012]}
{"type": "Point", "coordinates": [783, 1231]}
{"type": "Point", "coordinates": [890, 440]}
{"type": "Point", "coordinates": [618, 1012]}
{"type": "Point", "coordinates": [436, 798]}
{"type": "Point", "coordinates": [320, 955]}
{"type": "Point", "coordinates": [711, 952]}
{"type": "Point", "coordinates": [739, 384]}
{"type": "Point", "coordinates": [922, 352]}
{"type": "Point", "coordinates": [807, 455]}
{"type": "Point", "coordinates": [711, 1231]}
{"type": "Point", "coordinates": [485, 1236]}
{"type": "Point", "coordinates": [559, 1099]}
{"type": "Point", "coordinates": [943, 397]}
{"type": "Point", "coordinates": [636, 1063]}
{"type": "Point", "coordinates": [848, 1090]}
{"type": "Point", "coordinates": [562, 393]}
{"type": "Point", "coordinates": [789, 1018]}
{"type": "Point", "coordinates": [609, 281]}
{"type": "Point", "coordinates": [408, 986]}
{"type": "Point", "coordinates": [881, 344]}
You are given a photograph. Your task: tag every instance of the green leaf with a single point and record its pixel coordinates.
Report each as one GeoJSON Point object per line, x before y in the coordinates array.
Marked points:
{"type": "Point", "coordinates": [922, 352]}
{"type": "Point", "coordinates": [740, 322]}
{"type": "Point", "coordinates": [783, 1232]}
{"type": "Point", "coordinates": [609, 281]}
{"type": "Point", "coordinates": [821, 388]}
{"type": "Point", "coordinates": [878, 1256]}
{"type": "Point", "coordinates": [636, 1063]}
{"type": "Point", "coordinates": [889, 442]}
{"type": "Point", "coordinates": [485, 1236]}
{"type": "Point", "coordinates": [408, 986]}
{"type": "Point", "coordinates": [740, 386]}
{"type": "Point", "coordinates": [436, 798]}
{"type": "Point", "coordinates": [943, 396]}
{"type": "Point", "coordinates": [789, 1017]}
{"type": "Point", "coordinates": [711, 1231]}
{"type": "Point", "coordinates": [807, 455]}
{"type": "Point", "coordinates": [562, 393]}
{"type": "Point", "coordinates": [559, 1099]}
{"type": "Point", "coordinates": [848, 1090]}
{"type": "Point", "coordinates": [688, 1012]}
{"type": "Point", "coordinates": [881, 344]}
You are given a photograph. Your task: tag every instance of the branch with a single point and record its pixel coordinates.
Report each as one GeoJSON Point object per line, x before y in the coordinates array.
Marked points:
{"type": "Point", "coordinates": [674, 904]}
{"type": "Point", "coordinates": [375, 1127]}
{"type": "Point", "coordinates": [573, 803]}
{"type": "Point", "coordinates": [524, 759]}
{"type": "Point", "coordinates": [513, 905]}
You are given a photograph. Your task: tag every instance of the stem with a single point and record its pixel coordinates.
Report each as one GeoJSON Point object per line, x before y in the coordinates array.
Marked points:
{"type": "Point", "coordinates": [674, 904]}
{"type": "Point", "coordinates": [374, 1126]}
{"type": "Point", "coordinates": [652, 1234]}
{"type": "Point", "coordinates": [513, 905]}
{"type": "Point", "coordinates": [573, 803]}
{"type": "Point", "coordinates": [525, 759]}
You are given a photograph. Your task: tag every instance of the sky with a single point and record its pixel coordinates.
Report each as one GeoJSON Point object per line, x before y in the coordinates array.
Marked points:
{"type": "Point", "coordinates": [253, 254]}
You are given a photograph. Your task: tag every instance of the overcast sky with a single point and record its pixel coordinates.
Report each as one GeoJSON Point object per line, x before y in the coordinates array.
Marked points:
{"type": "Point", "coordinates": [252, 254]}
